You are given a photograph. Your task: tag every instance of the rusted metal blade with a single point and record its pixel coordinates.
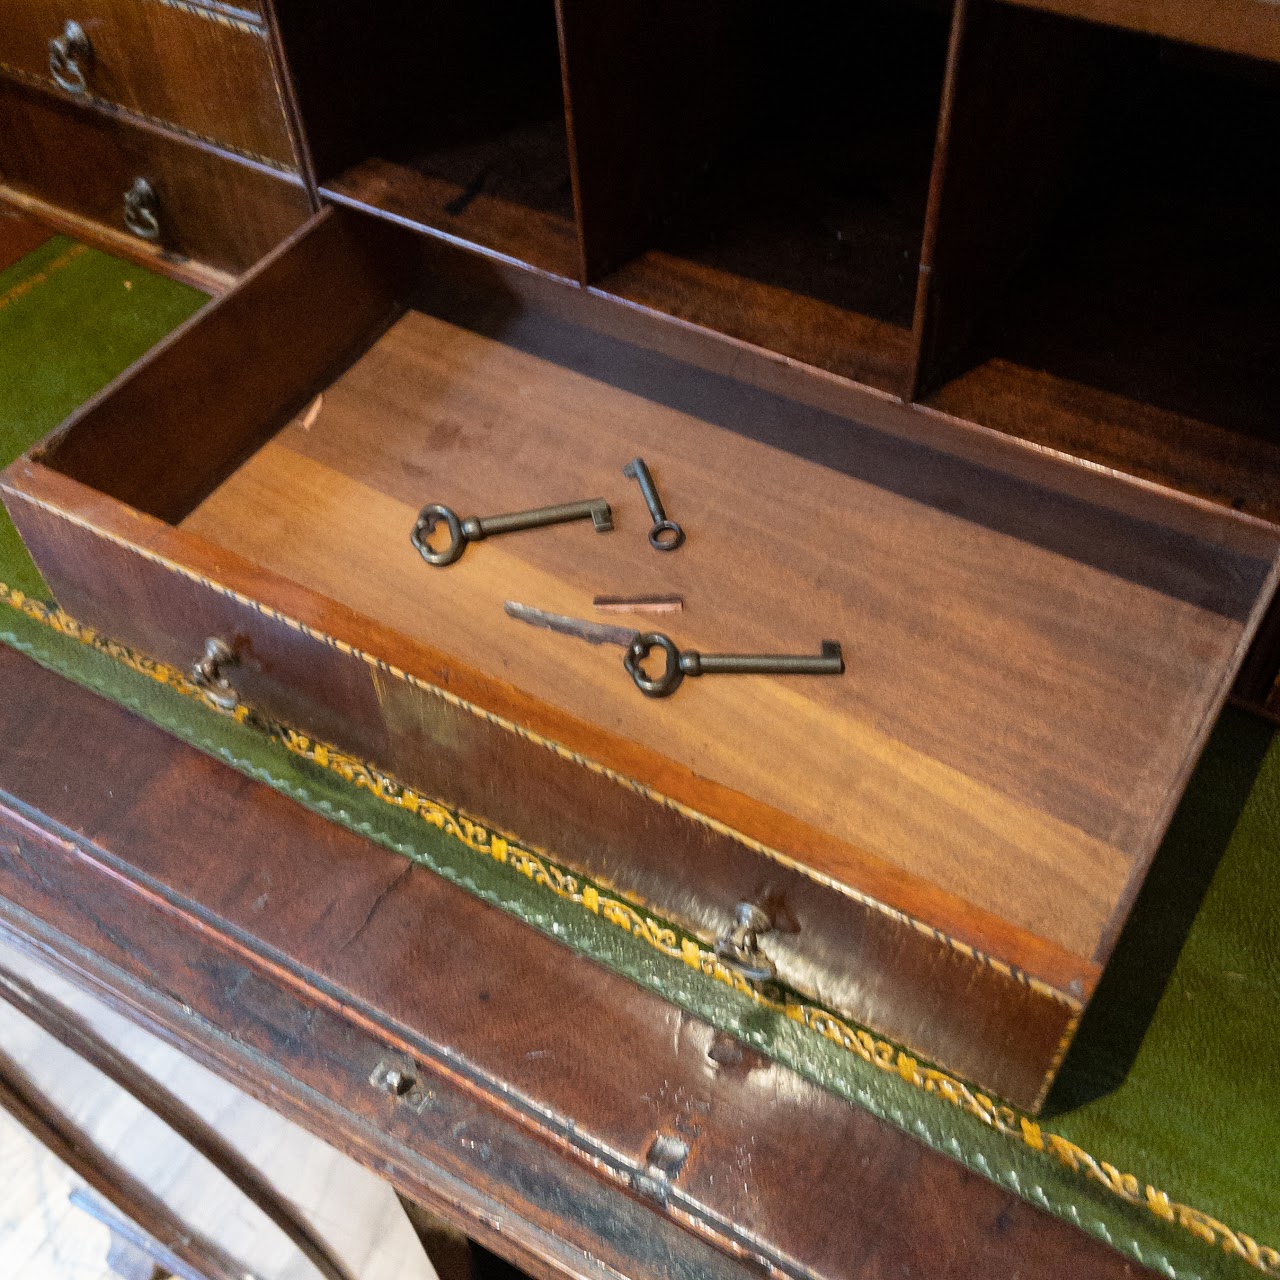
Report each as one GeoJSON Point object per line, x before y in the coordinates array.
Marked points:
{"type": "Point", "coordinates": [591, 632]}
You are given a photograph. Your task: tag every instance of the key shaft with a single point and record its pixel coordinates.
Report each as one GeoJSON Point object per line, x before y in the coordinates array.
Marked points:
{"type": "Point", "coordinates": [476, 528]}
{"type": "Point", "coordinates": [828, 662]}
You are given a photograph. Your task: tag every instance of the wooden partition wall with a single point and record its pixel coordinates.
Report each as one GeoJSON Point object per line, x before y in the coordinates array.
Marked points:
{"type": "Point", "coordinates": [1053, 219]}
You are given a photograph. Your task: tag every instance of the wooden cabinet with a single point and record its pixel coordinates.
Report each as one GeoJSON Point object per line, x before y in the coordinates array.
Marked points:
{"type": "Point", "coordinates": [199, 69]}
{"type": "Point", "coordinates": [188, 99]}
{"type": "Point", "coordinates": [949, 333]}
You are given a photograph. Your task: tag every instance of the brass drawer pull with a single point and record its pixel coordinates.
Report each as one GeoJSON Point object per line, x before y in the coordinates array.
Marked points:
{"type": "Point", "coordinates": [142, 210]}
{"type": "Point", "coordinates": [209, 674]}
{"type": "Point", "coordinates": [738, 947]}
{"type": "Point", "coordinates": [71, 58]}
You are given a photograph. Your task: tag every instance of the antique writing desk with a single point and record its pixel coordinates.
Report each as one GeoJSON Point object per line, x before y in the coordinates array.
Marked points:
{"type": "Point", "coordinates": [952, 331]}
{"type": "Point", "coordinates": [546, 1086]}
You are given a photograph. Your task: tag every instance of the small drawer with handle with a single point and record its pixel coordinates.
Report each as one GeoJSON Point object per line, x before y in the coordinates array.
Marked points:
{"type": "Point", "coordinates": [200, 70]}
{"type": "Point", "coordinates": [187, 199]}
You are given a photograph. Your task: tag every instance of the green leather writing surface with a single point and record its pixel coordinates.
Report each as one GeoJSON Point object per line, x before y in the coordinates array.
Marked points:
{"type": "Point", "coordinates": [71, 318]}
{"type": "Point", "coordinates": [1163, 1135]}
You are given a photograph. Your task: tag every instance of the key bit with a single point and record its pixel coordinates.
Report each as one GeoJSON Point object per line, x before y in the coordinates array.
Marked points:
{"type": "Point", "coordinates": [829, 662]}
{"type": "Point", "coordinates": [665, 535]}
{"type": "Point", "coordinates": [474, 528]}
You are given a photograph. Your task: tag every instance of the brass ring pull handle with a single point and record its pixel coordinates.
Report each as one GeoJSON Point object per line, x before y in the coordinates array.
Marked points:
{"type": "Point", "coordinates": [142, 210]}
{"type": "Point", "coordinates": [738, 947]}
{"type": "Point", "coordinates": [71, 58]}
{"type": "Point", "coordinates": [209, 674]}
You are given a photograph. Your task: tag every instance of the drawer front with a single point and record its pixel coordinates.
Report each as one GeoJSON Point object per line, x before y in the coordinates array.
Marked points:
{"type": "Point", "coordinates": [222, 212]}
{"type": "Point", "coordinates": [201, 70]}
{"type": "Point", "coordinates": [302, 667]}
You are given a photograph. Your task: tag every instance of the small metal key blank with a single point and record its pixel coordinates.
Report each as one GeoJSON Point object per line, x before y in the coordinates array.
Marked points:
{"type": "Point", "coordinates": [830, 662]}
{"type": "Point", "coordinates": [473, 528]}
{"type": "Point", "coordinates": [665, 535]}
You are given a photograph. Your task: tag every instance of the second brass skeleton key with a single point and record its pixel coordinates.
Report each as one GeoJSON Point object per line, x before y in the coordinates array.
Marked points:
{"type": "Point", "coordinates": [678, 664]}
{"type": "Point", "coordinates": [474, 528]}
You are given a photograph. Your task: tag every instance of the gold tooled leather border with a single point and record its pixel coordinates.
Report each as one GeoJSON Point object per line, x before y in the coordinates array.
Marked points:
{"type": "Point", "coordinates": [678, 945]}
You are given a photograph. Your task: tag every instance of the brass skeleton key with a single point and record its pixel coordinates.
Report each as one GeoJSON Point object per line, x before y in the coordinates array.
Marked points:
{"type": "Point", "coordinates": [829, 662]}
{"type": "Point", "coordinates": [473, 528]}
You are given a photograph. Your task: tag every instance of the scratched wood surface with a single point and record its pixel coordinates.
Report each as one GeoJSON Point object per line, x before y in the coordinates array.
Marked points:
{"type": "Point", "coordinates": [999, 729]}
{"type": "Point", "coordinates": [292, 956]}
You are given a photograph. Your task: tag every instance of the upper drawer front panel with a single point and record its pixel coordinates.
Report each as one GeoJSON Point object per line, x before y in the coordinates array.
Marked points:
{"type": "Point", "coordinates": [201, 70]}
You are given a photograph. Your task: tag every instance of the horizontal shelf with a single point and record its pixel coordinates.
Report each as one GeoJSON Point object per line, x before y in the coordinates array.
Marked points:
{"type": "Point", "coordinates": [475, 219]}
{"type": "Point", "coordinates": [851, 345]}
{"type": "Point", "coordinates": [1193, 457]}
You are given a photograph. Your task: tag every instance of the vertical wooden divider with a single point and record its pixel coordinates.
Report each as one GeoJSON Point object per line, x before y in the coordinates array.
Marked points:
{"type": "Point", "coordinates": [649, 85]}
{"type": "Point", "coordinates": [1015, 95]}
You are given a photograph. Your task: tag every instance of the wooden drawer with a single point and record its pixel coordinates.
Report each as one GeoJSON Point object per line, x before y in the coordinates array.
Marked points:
{"type": "Point", "coordinates": [223, 212]}
{"type": "Point", "coordinates": [946, 839]}
{"type": "Point", "coordinates": [202, 70]}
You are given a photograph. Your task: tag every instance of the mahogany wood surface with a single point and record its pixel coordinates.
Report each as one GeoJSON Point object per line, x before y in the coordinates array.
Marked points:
{"type": "Point", "coordinates": [442, 207]}
{"type": "Point", "coordinates": [222, 211]}
{"type": "Point", "coordinates": [946, 1002]}
{"type": "Point", "coordinates": [984, 211]}
{"type": "Point", "coordinates": [1250, 27]}
{"type": "Point", "coordinates": [650, 90]}
{"type": "Point", "coordinates": [295, 958]}
{"type": "Point", "coordinates": [447, 117]}
{"type": "Point", "coordinates": [322, 290]}
{"type": "Point", "coordinates": [51, 219]}
{"type": "Point", "coordinates": [854, 346]}
{"type": "Point", "coordinates": [196, 68]}
{"type": "Point", "coordinates": [1014, 804]}
{"type": "Point", "coordinates": [1000, 796]}
{"type": "Point", "coordinates": [782, 197]}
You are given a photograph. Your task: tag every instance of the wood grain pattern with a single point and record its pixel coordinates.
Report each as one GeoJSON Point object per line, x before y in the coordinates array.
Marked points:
{"type": "Point", "coordinates": [1229, 468]}
{"type": "Point", "coordinates": [440, 207]}
{"type": "Point", "coordinates": [120, 244]}
{"type": "Point", "coordinates": [854, 346]}
{"type": "Point", "coordinates": [1015, 797]}
{"type": "Point", "coordinates": [985, 1021]}
{"type": "Point", "coordinates": [224, 212]}
{"type": "Point", "coordinates": [288, 292]}
{"type": "Point", "coordinates": [1249, 27]}
{"type": "Point", "coordinates": [549, 1076]}
{"type": "Point", "coordinates": [205, 73]}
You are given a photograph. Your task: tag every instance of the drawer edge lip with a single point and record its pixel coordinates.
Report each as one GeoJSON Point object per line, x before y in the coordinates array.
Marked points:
{"type": "Point", "coordinates": [28, 481]}
{"type": "Point", "coordinates": [846, 1029]}
{"type": "Point", "coordinates": [129, 115]}
{"type": "Point", "coordinates": [222, 14]}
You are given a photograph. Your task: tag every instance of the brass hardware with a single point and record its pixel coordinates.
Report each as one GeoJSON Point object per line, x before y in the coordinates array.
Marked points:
{"type": "Point", "coordinates": [738, 946]}
{"type": "Point", "coordinates": [678, 664]}
{"type": "Point", "coordinates": [142, 210]}
{"type": "Point", "coordinates": [208, 674]}
{"type": "Point", "coordinates": [71, 58]}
